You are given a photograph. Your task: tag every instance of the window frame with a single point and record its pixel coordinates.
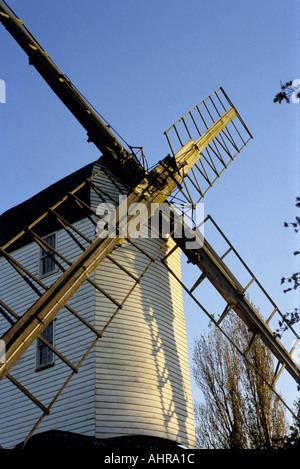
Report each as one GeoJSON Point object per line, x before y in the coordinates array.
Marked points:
{"type": "Point", "coordinates": [43, 255]}
{"type": "Point", "coordinates": [41, 346]}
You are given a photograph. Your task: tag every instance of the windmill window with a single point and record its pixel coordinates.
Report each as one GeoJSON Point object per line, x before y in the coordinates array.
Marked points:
{"type": "Point", "coordinates": [47, 262]}
{"type": "Point", "coordinates": [44, 355]}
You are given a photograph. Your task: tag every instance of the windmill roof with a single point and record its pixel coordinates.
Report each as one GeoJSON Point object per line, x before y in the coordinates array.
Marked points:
{"type": "Point", "coordinates": [16, 219]}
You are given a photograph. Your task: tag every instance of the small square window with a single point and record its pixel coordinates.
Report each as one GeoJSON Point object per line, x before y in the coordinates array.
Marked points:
{"type": "Point", "coordinates": [47, 263]}
{"type": "Point", "coordinates": [45, 356]}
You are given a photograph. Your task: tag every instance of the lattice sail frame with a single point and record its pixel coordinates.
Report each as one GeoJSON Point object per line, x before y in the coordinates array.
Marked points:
{"type": "Point", "coordinates": [218, 154]}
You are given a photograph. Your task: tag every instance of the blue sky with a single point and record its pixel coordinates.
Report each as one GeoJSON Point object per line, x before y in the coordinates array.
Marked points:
{"type": "Point", "coordinates": [143, 64]}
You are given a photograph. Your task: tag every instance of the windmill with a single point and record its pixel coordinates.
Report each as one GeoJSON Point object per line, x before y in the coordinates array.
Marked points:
{"type": "Point", "coordinates": [147, 344]}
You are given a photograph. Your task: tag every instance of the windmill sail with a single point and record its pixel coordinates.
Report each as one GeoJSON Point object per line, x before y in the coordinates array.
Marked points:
{"type": "Point", "coordinates": [216, 154]}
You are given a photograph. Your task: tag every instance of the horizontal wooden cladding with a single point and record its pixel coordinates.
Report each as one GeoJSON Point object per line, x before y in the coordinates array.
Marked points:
{"type": "Point", "coordinates": [146, 421]}
{"type": "Point", "coordinates": [141, 415]}
{"type": "Point", "coordinates": [150, 312]}
{"type": "Point", "coordinates": [129, 325]}
{"type": "Point", "coordinates": [141, 348]}
{"type": "Point", "coordinates": [74, 410]}
{"type": "Point", "coordinates": [156, 361]}
{"type": "Point", "coordinates": [142, 372]}
{"type": "Point", "coordinates": [109, 188]}
{"type": "Point", "coordinates": [144, 395]}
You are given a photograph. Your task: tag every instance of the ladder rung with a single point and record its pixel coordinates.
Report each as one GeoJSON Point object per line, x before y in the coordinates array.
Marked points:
{"type": "Point", "coordinates": [251, 343]}
{"type": "Point", "coordinates": [250, 283]}
{"type": "Point", "coordinates": [271, 315]}
{"type": "Point", "coordinates": [227, 308]}
{"type": "Point", "coordinates": [226, 253]}
{"type": "Point", "coordinates": [196, 284]}
{"type": "Point", "coordinates": [54, 350]}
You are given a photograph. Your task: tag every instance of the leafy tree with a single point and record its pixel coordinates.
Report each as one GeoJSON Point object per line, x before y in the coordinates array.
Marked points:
{"type": "Point", "coordinates": [293, 317]}
{"type": "Point", "coordinates": [287, 90]}
{"type": "Point", "coordinates": [240, 411]}
{"type": "Point", "coordinates": [292, 440]}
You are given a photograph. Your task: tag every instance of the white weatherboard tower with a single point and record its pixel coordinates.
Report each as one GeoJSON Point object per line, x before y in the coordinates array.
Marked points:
{"type": "Point", "coordinates": [136, 379]}
{"type": "Point", "coordinates": [93, 327]}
